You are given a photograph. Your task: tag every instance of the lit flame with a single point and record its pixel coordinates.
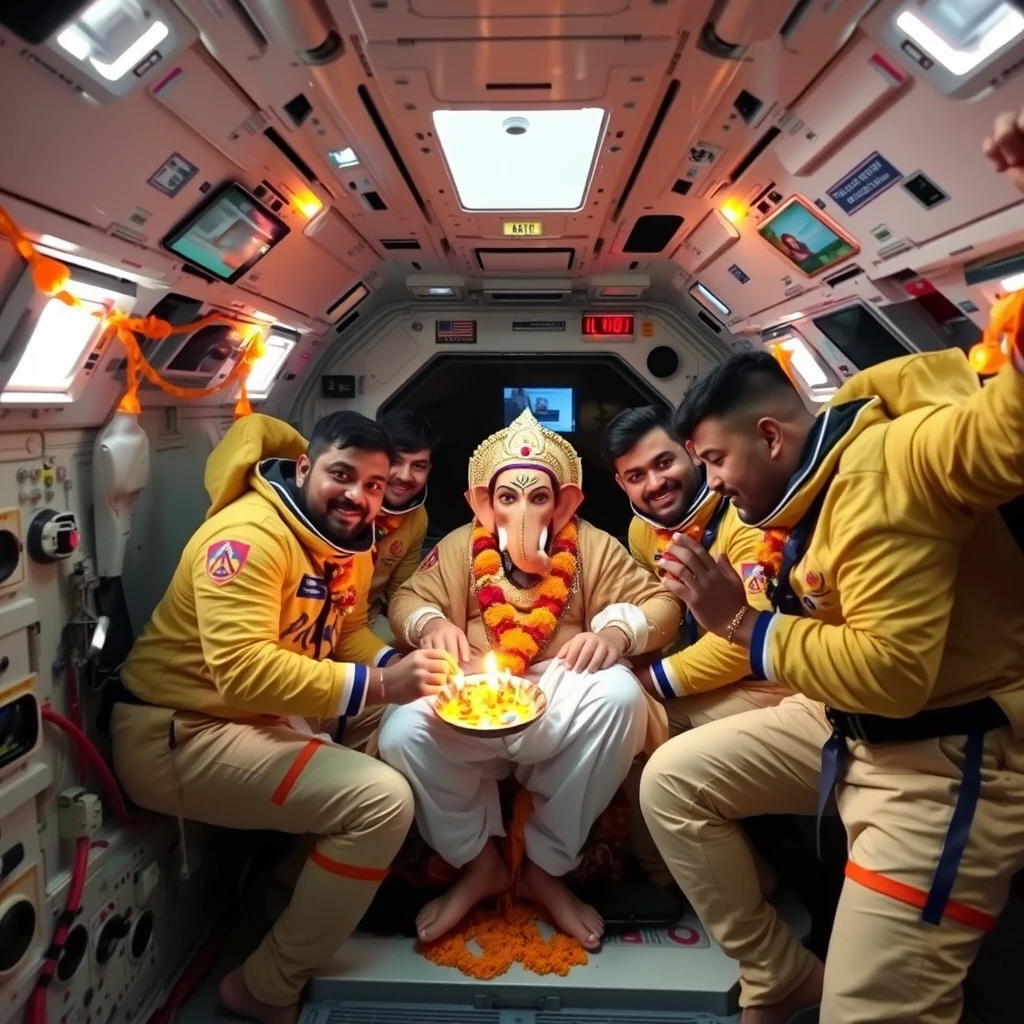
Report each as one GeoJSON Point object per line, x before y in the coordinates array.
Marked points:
{"type": "Point", "coordinates": [308, 205]}
{"type": "Point", "coordinates": [491, 669]}
{"type": "Point", "coordinates": [734, 210]}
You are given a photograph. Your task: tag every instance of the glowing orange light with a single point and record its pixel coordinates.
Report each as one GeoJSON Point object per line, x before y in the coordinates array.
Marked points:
{"type": "Point", "coordinates": [308, 205]}
{"type": "Point", "coordinates": [734, 210]}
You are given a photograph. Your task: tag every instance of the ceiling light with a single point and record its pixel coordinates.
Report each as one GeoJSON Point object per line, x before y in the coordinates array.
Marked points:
{"type": "Point", "coordinates": [528, 160]}
{"type": "Point", "coordinates": [308, 205]}
{"type": "Point", "coordinates": [342, 158]}
{"type": "Point", "coordinates": [979, 28]}
{"type": "Point", "coordinates": [713, 299]}
{"type": "Point", "coordinates": [1013, 284]}
{"type": "Point", "coordinates": [734, 210]}
{"type": "Point", "coordinates": [790, 317]}
{"type": "Point", "coordinates": [441, 292]}
{"type": "Point", "coordinates": [804, 362]}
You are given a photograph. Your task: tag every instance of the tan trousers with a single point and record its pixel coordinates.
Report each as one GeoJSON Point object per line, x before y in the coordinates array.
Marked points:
{"type": "Point", "coordinates": [885, 964]}
{"type": "Point", "coordinates": [270, 777]}
{"type": "Point", "coordinates": [685, 713]}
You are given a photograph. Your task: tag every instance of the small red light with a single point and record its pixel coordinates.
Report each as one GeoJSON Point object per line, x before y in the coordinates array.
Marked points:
{"type": "Point", "coordinates": [73, 539]}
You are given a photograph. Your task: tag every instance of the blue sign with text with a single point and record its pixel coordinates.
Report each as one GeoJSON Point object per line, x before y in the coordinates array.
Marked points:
{"type": "Point", "coordinates": [865, 182]}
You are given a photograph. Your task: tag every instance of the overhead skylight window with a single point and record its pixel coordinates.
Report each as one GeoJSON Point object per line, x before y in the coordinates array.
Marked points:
{"type": "Point", "coordinates": [520, 160]}
{"type": "Point", "coordinates": [113, 36]}
{"type": "Point", "coordinates": [342, 158]}
{"type": "Point", "coordinates": [276, 350]}
{"type": "Point", "coordinates": [961, 34]}
{"type": "Point", "coordinates": [57, 346]}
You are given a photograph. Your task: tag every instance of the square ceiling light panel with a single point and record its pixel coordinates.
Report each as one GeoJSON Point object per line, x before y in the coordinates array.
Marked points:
{"type": "Point", "coordinates": [520, 159]}
{"type": "Point", "coordinates": [960, 34]}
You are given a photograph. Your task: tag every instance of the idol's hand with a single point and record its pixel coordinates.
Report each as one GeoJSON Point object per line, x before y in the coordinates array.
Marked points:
{"type": "Point", "coordinates": [588, 652]}
{"type": "Point", "coordinates": [1005, 147]}
{"type": "Point", "coordinates": [711, 589]}
{"type": "Point", "coordinates": [442, 635]}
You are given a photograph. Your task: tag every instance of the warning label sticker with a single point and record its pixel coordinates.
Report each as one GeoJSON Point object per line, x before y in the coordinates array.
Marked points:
{"type": "Point", "coordinates": [688, 935]}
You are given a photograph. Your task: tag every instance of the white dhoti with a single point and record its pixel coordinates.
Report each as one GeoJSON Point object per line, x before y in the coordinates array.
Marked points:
{"type": "Point", "coordinates": [572, 761]}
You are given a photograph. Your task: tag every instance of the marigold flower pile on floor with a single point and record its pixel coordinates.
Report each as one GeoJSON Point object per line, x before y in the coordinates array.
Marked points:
{"type": "Point", "coordinates": [505, 937]}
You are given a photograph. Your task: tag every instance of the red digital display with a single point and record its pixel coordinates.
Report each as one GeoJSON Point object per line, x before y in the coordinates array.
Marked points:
{"type": "Point", "coordinates": [607, 325]}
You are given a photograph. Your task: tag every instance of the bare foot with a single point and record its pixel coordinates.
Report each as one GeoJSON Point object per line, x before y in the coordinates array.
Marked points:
{"type": "Point", "coordinates": [804, 996]}
{"type": "Point", "coordinates": [485, 875]}
{"type": "Point", "coordinates": [236, 998]}
{"type": "Point", "coordinates": [572, 915]}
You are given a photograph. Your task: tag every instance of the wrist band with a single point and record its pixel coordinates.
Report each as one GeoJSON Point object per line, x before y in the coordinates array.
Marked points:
{"type": "Point", "coordinates": [737, 620]}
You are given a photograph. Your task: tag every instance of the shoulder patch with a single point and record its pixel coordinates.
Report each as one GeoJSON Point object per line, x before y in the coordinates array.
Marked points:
{"type": "Point", "coordinates": [430, 561]}
{"type": "Point", "coordinates": [753, 577]}
{"type": "Point", "coordinates": [225, 559]}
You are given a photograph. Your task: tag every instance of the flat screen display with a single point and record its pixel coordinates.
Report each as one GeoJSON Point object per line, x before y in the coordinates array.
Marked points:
{"type": "Point", "coordinates": [228, 235]}
{"type": "Point", "coordinates": [805, 239]}
{"type": "Point", "coordinates": [554, 408]}
{"type": "Point", "coordinates": [861, 337]}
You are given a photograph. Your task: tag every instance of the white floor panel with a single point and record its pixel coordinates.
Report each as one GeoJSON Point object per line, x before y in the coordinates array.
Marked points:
{"type": "Point", "coordinates": [661, 975]}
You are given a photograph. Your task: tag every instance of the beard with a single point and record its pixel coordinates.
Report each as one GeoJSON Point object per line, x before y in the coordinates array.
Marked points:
{"type": "Point", "coordinates": [339, 534]}
{"type": "Point", "coordinates": [668, 515]}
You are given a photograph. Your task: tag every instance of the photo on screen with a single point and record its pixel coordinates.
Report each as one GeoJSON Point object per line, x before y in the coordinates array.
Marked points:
{"type": "Point", "coordinates": [805, 238]}
{"type": "Point", "coordinates": [228, 235]}
{"type": "Point", "coordinates": [553, 408]}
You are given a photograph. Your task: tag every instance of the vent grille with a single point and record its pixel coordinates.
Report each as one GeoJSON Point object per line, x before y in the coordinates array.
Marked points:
{"type": "Point", "coordinates": [400, 243]}
{"type": "Point", "coordinates": [369, 1014]}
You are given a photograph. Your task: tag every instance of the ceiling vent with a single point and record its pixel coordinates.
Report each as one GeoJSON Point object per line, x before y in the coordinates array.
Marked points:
{"type": "Point", "coordinates": [525, 260]}
{"type": "Point", "coordinates": [527, 293]}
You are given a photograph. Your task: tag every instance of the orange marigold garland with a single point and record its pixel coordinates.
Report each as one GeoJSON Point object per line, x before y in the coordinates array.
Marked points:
{"type": "Point", "coordinates": [769, 556]}
{"type": "Point", "coordinates": [339, 585]}
{"type": "Point", "coordinates": [663, 540]}
{"type": "Point", "coordinates": [519, 636]}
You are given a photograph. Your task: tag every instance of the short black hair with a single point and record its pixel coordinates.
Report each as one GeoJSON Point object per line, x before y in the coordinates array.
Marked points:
{"type": "Point", "coordinates": [741, 382]}
{"type": "Point", "coordinates": [629, 426]}
{"type": "Point", "coordinates": [349, 430]}
{"type": "Point", "coordinates": [410, 431]}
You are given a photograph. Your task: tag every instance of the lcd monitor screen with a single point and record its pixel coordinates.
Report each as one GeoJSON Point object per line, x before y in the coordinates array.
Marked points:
{"type": "Point", "coordinates": [228, 235]}
{"type": "Point", "coordinates": [554, 408]}
{"type": "Point", "coordinates": [861, 337]}
{"type": "Point", "coordinates": [805, 239]}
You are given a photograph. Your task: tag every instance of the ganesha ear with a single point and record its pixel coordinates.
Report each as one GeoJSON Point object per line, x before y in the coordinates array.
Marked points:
{"type": "Point", "coordinates": [479, 498]}
{"type": "Point", "coordinates": [570, 497]}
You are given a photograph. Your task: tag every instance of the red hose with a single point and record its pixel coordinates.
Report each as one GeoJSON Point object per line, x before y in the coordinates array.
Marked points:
{"type": "Point", "coordinates": [89, 755]}
{"type": "Point", "coordinates": [37, 1001]}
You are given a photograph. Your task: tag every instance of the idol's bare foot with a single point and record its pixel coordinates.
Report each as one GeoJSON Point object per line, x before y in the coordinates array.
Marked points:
{"type": "Point", "coordinates": [572, 916]}
{"type": "Point", "coordinates": [804, 996]}
{"type": "Point", "coordinates": [236, 998]}
{"type": "Point", "coordinates": [485, 875]}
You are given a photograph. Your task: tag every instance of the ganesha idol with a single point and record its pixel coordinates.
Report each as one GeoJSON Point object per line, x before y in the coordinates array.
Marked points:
{"type": "Point", "coordinates": [562, 604]}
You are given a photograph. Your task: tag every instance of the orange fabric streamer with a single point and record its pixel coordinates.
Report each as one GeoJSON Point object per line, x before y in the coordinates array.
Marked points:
{"type": "Point", "coordinates": [510, 934]}
{"type": "Point", "coordinates": [51, 278]}
{"type": "Point", "coordinates": [1005, 325]}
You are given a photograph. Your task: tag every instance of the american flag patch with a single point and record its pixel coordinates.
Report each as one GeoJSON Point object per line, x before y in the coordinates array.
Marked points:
{"type": "Point", "coordinates": [455, 332]}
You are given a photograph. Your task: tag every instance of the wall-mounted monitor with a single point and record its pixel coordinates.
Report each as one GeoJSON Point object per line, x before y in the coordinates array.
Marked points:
{"type": "Point", "coordinates": [228, 234]}
{"type": "Point", "coordinates": [860, 336]}
{"type": "Point", "coordinates": [554, 408]}
{"type": "Point", "coordinates": [806, 239]}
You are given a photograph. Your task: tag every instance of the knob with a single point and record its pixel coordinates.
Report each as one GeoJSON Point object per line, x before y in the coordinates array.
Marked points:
{"type": "Point", "coordinates": [52, 536]}
{"type": "Point", "coordinates": [110, 935]}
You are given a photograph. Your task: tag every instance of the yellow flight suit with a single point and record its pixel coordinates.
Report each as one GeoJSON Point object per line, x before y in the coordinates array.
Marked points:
{"type": "Point", "coordinates": [708, 678]}
{"type": "Point", "coordinates": [907, 599]}
{"type": "Point", "coordinates": [399, 543]}
{"type": "Point", "coordinates": [245, 648]}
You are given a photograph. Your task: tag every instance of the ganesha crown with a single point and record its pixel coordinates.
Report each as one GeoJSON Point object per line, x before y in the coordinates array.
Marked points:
{"type": "Point", "coordinates": [524, 442]}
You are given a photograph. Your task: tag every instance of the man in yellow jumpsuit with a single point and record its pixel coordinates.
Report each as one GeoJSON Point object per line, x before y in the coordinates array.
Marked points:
{"type": "Point", "coordinates": [402, 524]}
{"type": "Point", "coordinates": [707, 678]}
{"type": "Point", "coordinates": [258, 647]}
{"type": "Point", "coordinates": [899, 620]}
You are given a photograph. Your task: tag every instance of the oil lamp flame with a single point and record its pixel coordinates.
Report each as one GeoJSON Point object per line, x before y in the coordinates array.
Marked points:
{"type": "Point", "coordinates": [491, 669]}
